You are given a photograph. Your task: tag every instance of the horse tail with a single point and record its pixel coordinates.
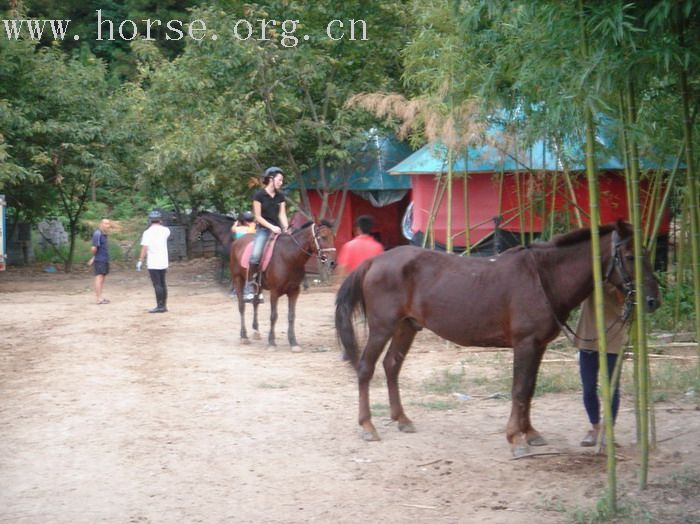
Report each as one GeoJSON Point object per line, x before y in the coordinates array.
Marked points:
{"type": "Point", "coordinates": [348, 302]}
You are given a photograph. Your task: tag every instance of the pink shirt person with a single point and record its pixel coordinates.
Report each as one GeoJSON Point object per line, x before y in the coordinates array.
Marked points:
{"type": "Point", "coordinates": [360, 248]}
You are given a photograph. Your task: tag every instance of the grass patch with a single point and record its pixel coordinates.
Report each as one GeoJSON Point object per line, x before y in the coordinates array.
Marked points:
{"type": "Point", "coordinates": [557, 380]}
{"type": "Point", "coordinates": [436, 405]}
{"type": "Point", "coordinates": [650, 505]}
{"type": "Point", "coordinates": [379, 409]}
{"type": "Point", "coordinates": [446, 382]}
{"type": "Point", "coordinates": [266, 385]}
{"type": "Point", "coordinates": [602, 513]}
{"type": "Point", "coordinates": [674, 378]}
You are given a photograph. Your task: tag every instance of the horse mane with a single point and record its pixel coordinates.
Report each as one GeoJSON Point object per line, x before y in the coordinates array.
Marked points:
{"type": "Point", "coordinates": [324, 222]}
{"type": "Point", "coordinates": [567, 239]}
{"type": "Point", "coordinates": [579, 235]}
{"type": "Point", "coordinates": [216, 216]}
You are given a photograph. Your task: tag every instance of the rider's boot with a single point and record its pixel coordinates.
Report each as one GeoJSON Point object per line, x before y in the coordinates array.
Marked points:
{"type": "Point", "coordinates": [251, 286]}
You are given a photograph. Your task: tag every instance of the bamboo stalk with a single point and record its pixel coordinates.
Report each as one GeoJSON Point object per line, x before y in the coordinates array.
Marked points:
{"type": "Point", "coordinates": [591, 176]}
{"type": "Point", "coordinates": [694, 214]}
{"type": "Point", "coordinates": [644, 372]}
{"type": "Point", "coordinates": [467, 221]}
{"type": "Point", "coordinates": [448, 183]}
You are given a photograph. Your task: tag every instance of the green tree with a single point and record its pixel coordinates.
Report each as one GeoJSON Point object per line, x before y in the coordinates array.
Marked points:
{"type": "Point", "coordinates": [53, 126]}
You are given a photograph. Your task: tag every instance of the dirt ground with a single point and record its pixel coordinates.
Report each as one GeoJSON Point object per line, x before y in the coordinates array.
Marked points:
{"type": "Point", "coordinates": [109, 414]}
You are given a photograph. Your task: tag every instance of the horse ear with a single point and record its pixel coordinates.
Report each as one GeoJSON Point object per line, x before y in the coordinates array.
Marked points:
{"type": "Point", "coordinates": [622, 227]}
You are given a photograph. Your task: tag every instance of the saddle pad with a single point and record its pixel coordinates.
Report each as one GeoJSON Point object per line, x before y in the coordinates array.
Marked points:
{"type": "Point", "coordinates": [267, 252]}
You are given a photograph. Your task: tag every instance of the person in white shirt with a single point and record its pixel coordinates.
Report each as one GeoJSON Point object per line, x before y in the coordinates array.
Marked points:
{"type": "Point", "coordinates": [154, 245]}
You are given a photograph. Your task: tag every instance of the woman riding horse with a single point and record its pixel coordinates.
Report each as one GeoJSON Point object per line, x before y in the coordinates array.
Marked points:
{"type": "Point", "coordinates": [270, 213]}
{"type": "Point", "coordinates": [284, 274]}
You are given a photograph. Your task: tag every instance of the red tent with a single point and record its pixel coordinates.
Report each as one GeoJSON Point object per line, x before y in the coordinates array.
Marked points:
{"type": "Point", "coordinates": [369, 190]}
{"type": "Point", "coordinates": [509, 198]}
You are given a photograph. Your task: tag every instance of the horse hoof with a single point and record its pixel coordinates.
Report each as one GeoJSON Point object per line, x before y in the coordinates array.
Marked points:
{"type": "Point", "coordinates": [296, 349]}
{"type": "Point", "coordinates": [520, 450]}
{"type": "Point", "coordinates": [271, 348]}
{"type": "Point", "coordinates": [370, 436]}
{"type": "Point", "coordinates": [407, 428]}
{"type": "Point", "coordinates": [245, 341]}
{"type": "Point", "coordinates": [256, 336]}
{"type": "Point", "coordinates": [537, 440]}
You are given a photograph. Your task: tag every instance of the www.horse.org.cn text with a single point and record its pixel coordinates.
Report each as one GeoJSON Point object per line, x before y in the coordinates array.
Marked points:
{"type": "Point", "coordinates": [286, 32]}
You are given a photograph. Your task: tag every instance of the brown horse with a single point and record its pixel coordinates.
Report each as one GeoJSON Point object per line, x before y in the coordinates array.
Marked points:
{"type": "Point", "coordinates": [284, 275]}
{"type": "Point", "coordinates": [520, 299]}
{"type": "Point", "coordinates": [220, 227]}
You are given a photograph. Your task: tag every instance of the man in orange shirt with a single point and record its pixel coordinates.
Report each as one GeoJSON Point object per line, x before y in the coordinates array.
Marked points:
{"type": "Point", "coordinates": [360, 248]}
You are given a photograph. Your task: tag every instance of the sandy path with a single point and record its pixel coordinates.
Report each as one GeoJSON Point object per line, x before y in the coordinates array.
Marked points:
{"type": "Point", "coordinates": [109, 414]}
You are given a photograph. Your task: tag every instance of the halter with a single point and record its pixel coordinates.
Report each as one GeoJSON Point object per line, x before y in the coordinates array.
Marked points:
{"type": "Point", "coordinates": [616, 264]}
{"type": "Point", "coordinates": [320, 251]}
{"type": "Point", "coordinates": [627, 285]}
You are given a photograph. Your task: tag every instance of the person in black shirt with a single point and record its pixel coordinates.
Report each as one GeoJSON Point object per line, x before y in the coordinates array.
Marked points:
{"type": "Point", "coordinates": [100, 258]}
{"type": "Point", "coordinates": [271, 217]}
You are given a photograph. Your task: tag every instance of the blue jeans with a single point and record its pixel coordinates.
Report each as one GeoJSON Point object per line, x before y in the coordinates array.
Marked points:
{"type": "Point", "coordinates": [588, 366]}
{"type": "Point", "coordinates": [261, 236]}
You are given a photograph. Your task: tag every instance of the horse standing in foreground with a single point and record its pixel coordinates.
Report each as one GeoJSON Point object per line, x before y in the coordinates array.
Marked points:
{"type": "Point", "coordinates": [284, 274]}
{"type": "Point", "coordinates": [519, 299]}
{"type": "Point", "coordinates": [220, 227]}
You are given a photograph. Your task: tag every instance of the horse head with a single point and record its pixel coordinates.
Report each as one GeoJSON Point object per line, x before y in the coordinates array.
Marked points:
{"type": "Point", "coordinates": [324, 240]}
{"type": "Point", "coordinates": [199, 226]}
{"type": "Point", "coordinates": [620, 267]}
{"type": "Point", "coordinates": [317, 238]}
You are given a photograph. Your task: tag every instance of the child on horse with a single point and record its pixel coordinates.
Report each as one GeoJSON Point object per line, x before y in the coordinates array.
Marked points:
{"type": "Point", "coordinates": [244, 224]}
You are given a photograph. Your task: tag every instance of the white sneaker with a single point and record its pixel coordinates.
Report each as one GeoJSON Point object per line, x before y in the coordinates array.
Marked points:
{"type": "Point", "coordinates": [248, 292]}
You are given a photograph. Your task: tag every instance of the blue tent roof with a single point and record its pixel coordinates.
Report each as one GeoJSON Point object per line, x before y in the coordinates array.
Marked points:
{"type": "Point", "coordinates": [370, 171]}
{"type": "Point", "coordinates": [432, 159]}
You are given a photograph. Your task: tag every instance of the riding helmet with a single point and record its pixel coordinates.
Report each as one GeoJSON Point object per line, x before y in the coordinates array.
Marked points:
{"type": "Point", "coordinates": [271, 171]}
{"type": "Point", "coordinates": [155, 216]}
{"type": "Point", "coordinates": [247, 216]}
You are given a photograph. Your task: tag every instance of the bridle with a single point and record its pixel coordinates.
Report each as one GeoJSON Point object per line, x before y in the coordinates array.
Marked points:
{"type": "Point", "coordinates": [320, 251]}
{"type": "Point", "coordinates": [199, 228]}
{"type": "Point", "coordinates": [615, 264]}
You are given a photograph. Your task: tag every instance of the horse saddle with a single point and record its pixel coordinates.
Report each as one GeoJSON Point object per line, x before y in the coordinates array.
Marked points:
{"type": "Point", "coordinates": [266, 256]}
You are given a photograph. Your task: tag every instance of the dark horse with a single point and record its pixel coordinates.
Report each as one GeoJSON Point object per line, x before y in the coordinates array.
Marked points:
{"type": "Point", "coordinates": [519, 299]}
{"type": "Point", "coordinates": [284, 275]}
{"type": "Point", "coordinates": [217, 225]}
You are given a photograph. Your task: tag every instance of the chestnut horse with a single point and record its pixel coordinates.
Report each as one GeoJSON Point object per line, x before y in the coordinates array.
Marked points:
{"type": "Point", "coordinates": [520, 299]}
{"type": "Point", "coordinates": [284, 275]}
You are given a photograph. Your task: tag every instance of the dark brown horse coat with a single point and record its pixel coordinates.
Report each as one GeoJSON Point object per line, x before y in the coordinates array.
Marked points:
{"type": "Point", "coordinates": [518, 299]}
{"type": "Point", "coordinates": [220, 227]}
{"type": "Point", "coordinates": [284, 275]}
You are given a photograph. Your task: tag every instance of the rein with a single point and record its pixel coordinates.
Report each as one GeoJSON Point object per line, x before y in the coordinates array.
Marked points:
{"type": "Point", "coordinates": [320, 251]}
{"type": "Point", "coordinates": [628, 286]}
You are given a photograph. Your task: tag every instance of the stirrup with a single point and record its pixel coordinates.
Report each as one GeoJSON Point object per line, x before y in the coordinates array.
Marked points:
{"type": "Point", "coordinates": [248, 292]}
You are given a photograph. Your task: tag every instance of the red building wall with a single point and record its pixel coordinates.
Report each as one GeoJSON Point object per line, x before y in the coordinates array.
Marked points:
{"type": "Point", "coordinates": [486, 199]}
{"type": "Point", "coordinates": [387, 219]}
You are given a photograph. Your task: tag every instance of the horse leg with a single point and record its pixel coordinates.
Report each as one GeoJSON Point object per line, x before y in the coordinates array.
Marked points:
{"type": "Point", "coordinates": [393, 360]}
{"type": "Point", "coordinates": [256, 330]}
{"type": "Point", "coordinates": [238, 285]}
{"type": "Point", "coordinates": [292, 297]}
{"type": "Point", "coordinates": [274, 298]}
{"type": "Point", "coordinates": [365, 370]}
{"type": "Point", "coordinates": [519, 431]}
